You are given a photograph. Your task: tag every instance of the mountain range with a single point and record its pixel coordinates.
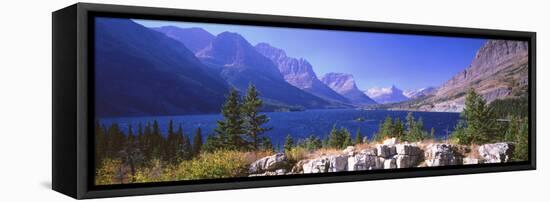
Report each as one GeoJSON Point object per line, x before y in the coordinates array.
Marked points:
{"type": "Point", "coordinates": [386, 95]}
{"type": "Point", "coordinates": [142, 72]}
{"type": "Point", "coordinates": [499, 70]}
{"type": "Point", "coordinates": [299, 73]}
{"type": "Point", "coordinates": [345, 85]}
{"type": "Point", "coordinates": [170, 70]}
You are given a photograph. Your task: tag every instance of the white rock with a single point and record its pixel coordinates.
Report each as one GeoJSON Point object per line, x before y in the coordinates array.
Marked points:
{"type": "Point", "coordinates": [385, 151]}
{"type": "Point", "coordinates": [390, 163]}
{"type": "Point", "coordinates": [496, 153]}
{"type": "Point", "coordinates": [406, 161]}
{"type": "Point", "coordinates": [390, 141]}
{"type": "Point", "coordinates": [269, 163]}
{"type": "Point", "coordinates": [350, 150]}
{"type": "Point", "coordinates": [324, 164]}
{"type": "Point", "coordinates": [469, 161]}
{"type": "Point", "coordinates": [407, 149]}
{"type": "Point", "coordinates": [439, 154]}
{"type": "Point", "coordinates": [363, 161]}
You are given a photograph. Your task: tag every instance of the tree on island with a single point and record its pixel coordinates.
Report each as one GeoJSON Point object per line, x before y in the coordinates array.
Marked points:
{"type": "Point", "coordinates": [252, 120]}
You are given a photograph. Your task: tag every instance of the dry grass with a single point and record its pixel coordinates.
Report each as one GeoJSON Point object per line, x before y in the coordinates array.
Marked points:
{"type": "Point", "coordinates": [250, 157]}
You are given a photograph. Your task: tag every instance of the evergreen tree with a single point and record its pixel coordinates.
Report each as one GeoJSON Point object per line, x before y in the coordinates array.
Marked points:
{"type": "Point", "coordinates": [432, 133]}
{"type": "Point", "coordinates": [173, 142]}
{"type": "Point", "coordinates": [230, 129]}
{"type": "Point", "coordinates": [156, 141]}
{"type": "Point", "coordinates": [358, 136]}
{"type": "Point", "coordinates": [100, 144]}
{"type": "Point", "coordinates": [346, 138]}
{"type": "Point", "coordinates": [186, 149]}
{"type": "Point", "coordinates": [211, 144]}
{"type": "Point", "coordinates": [398, 129]}
{"type": "Point", "coordinates": [385, 129]}
{"type": "Point", "coordinates": [289, 143]}
{"type": "Point", "coordinates": [481, 125]}
{"type": "Point", "coordinates": [197, 142]}
{"type": "Point", "coordinates": [311, 143]}
{"type": "Point", "coordinates": [266, 144]}
{"type": "Point", "coordinates": [253, 121]}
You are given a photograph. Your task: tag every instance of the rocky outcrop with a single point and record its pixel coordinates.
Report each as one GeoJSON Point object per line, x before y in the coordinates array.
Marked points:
{"type": "Point", "coordinates": [271, 163]}
{"type": "Point", "coordinates": [390, 154]}
{"type": "Point", "coordinates": [496, 153]}
{"type": "Point", "coordinates": [440, 154]}
{"type": "Point", "coordinates": [365, 160]}
{"type": "Point", "coordinates": [326, 164]}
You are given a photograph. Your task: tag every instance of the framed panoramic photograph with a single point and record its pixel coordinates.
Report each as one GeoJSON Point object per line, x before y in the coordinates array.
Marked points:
{"type": "Point", "coordinates": [152, 100]}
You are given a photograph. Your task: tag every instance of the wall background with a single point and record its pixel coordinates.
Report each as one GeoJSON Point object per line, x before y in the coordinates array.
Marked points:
{"type": "Point", "coordinates": [25, 99]}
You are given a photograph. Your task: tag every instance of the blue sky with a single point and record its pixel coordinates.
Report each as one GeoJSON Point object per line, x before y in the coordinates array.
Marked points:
{"type": "Point", "coordinates": [374, 59]}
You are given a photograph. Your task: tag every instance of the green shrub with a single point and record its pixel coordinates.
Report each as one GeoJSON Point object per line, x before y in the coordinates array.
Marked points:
{"type": "Point", "coordinates": [218, 164]}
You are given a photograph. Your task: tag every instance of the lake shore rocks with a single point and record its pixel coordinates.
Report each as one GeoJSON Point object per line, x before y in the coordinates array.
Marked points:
{"type": "Point", "coordinates": [496, 153]}
{"type": "Point", "coordinates": [390, 154]}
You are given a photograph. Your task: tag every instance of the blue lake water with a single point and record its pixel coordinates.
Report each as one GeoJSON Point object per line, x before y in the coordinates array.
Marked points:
{"type": "Point", "coordinates": [302, 123]}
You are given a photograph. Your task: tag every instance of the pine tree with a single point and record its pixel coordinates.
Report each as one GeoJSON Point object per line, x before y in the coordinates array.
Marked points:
{"type": "Point", "coordinates": [358, 136]}
{"type": "Point", "coordinates": [230, 129]}
{"type": "Point", "coordinates": [398, 129]}
{"type": "Point", "coordinates": [266, 144]}
{"type": "Point", "coordinates": [170, 150]}
{"type": "Point", "coordinates": [253, 121]}
{"type": "Point", "coordinates": [481, 125]}
{"type": "Point", "coordinates": [211, 144]}
{"type": "Point", "coordinates": [334, 140]}
{"type": "Point", "coordinates": [385, 129]}
{"type": "Point", "coordinates": [197, 142]}
{"type": "Point", "coordinates": [345, 135]}
{"type": "Point", "coordinates": [289, 143]}
{"type": "Point", "coordinates": [432, 133]}
{"type": "Point", "coordinates": [100, 144]}
{"type": "Point", "coordinates": [186, 149]}
{"type": "Point", "coordinates": [157, 141]}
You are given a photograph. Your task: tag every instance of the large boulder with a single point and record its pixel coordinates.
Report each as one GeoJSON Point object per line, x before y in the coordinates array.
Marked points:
{"type": "Point", "coordinates": [408, 149]}
{"type": "Point", "coordinates": [364, 160]}
{"type": "Point", "coordinates": [269, 163]}
{"type": "Point", "coordinates": [350, 151]}
{"type": "Point", "coordinates": [496, 153]}
{"type": "Point", "coordinates": [440, 154]}
{"type": "Point", "coordinates": [406, 161]}
{"type": "Point", "coordinates": [390, 163]}
{"type": "Point", "coordinates": [385, 151]}
{"type": "Point", "coordinates": [324, 164]}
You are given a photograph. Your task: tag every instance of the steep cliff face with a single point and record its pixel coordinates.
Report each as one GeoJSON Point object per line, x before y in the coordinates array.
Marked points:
{"type": "Point", "coordinates": [299, 73]}
{"type": "Point", "coordinates": [498, 70]}
{"type": "Point", "coordinates": [241, 65]}
{"type": "Point", "coordinates": [345, 85]}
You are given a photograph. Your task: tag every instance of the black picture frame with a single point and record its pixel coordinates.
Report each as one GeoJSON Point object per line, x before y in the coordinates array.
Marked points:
{"type": "Point", "coordinates": [73, 100]}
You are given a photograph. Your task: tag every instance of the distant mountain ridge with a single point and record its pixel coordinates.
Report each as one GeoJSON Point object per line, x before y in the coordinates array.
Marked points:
{"type": "Point", "coordinates": [417, 93]}
{"type": "Point", "coordinates": [240, 65]}
{"type": "Point", "coordinates": [299, 73]}
{"type": "Point", "coordinates": [195, 39]}
{"type": "Point", "coordinates": [345, 85]}
{"type": "Point", "coordinates": [386, 95]}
